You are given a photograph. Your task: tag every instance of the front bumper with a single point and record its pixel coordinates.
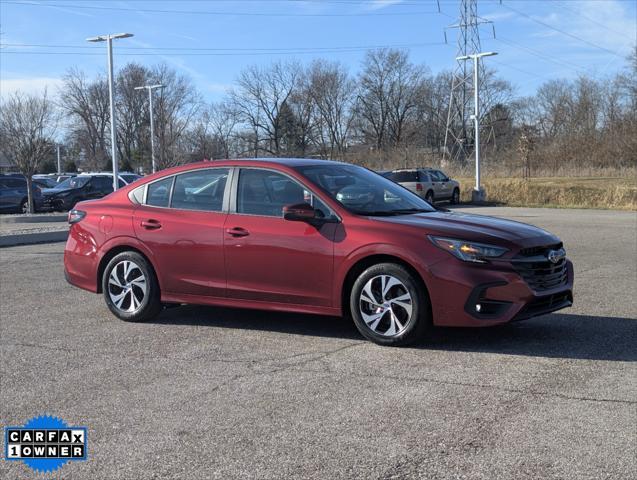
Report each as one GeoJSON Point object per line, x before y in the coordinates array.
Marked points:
{"type": "Point", "coordinates": [467, 295]}
{"type": "Point", "coordinates": [55, 203]}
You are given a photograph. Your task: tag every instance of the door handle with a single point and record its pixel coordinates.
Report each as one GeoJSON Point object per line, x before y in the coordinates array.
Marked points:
{"type": "Point", "coordinates": [237, 232]}
{"type": "Point", "coordinates": [150, 224]}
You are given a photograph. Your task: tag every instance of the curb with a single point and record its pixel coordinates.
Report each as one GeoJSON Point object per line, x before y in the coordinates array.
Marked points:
{"type": "Point", "coordinates": [32, 238]}
{"type": "Point", "coordinates": [54, 218]}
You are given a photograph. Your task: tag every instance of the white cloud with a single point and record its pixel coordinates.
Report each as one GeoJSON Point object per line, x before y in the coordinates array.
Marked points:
{"type": "Point", "coordinates": [30, 85]}
{"type": "Point", "coordinates": [607, 24]}
{"type": "Point", "coordinates": [499, 16]}
{"type": "Point", "coordinates": [378, 4]}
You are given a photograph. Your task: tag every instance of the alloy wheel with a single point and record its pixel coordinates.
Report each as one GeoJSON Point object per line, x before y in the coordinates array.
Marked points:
{"type": "Point", "coordinates": [385, 305]}
{"type": "Point", "coordinates": [127, 286]}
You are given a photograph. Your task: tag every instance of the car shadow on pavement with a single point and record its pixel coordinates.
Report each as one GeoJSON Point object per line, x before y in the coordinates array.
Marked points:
{"type": "Point", "coordinates": [554, 336]}
{"type": "Point", "coordinates": [283, 322]}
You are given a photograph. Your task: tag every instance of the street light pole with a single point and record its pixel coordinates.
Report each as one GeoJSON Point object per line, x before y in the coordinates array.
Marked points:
{"type": "Point", "coordinates": [111, 97]}
{"type": "Point", "coordinates": [150, 89]}
{"type": "Point", "coordinates": [478, 194]}
{"type": "Point", "coordinates": [59, 161]}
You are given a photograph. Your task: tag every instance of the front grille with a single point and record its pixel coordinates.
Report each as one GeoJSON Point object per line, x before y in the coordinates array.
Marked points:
{"type": "Point", "coordinates": [543, 305]}
{"type": "Point", "coordinates": [533, 251]}
{"type": "Point", "coordinates": [537, 271]}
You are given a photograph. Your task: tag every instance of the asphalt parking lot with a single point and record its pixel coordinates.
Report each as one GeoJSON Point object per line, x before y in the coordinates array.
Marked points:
{"type": "Point", "coordinates": [220, 393]}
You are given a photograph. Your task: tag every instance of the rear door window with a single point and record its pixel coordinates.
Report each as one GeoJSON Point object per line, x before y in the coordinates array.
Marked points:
{"type": "Point", "coordinates": [424, 176]}
{"type": "Point", "coordinates": [158, 194]}
{"type": "Point", "coordinates": [200, 190]}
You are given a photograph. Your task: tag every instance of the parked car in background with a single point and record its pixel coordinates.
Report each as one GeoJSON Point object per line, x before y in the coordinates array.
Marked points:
{"type": "Point", "coordinates": [432, 185]}
{"type": "Point", "coordinates": [310, 236]}
{"type": "Point", "coordinates": [129, 177]}
{"type": "Point", "coordinates": [85, 186]}
{"type": "Point", "coordinates": [14, 197]}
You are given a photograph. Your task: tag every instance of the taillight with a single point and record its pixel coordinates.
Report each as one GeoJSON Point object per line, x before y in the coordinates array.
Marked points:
{"type": "Point", "coordinates": [76, 215]}
{"type": "Point", "coordinates": [419, 187]}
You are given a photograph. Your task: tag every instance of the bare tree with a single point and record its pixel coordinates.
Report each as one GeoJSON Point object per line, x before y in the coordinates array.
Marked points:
{"type": "Point", "coordinates": [27, 126]}
{"type": "Point", "coordinates": [176, 107]}
{"type": "Point", "coordinates": [261, 95]}
{"type": "Point", "coordinates": [133, 135]}
{"type": "Point", "coordinates": [389, 87]}
{"type": "Point", "coordinates": [87, 105]}
{"type": "Point", "coordinates": [333, 93]}
{"type": "Point", "coordinates": [223, 119]}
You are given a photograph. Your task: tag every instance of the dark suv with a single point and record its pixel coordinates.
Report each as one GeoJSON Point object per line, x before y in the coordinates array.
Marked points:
{"type": "Point", "coordinates": [76, 189]}
{"type": "Point", "coordinates": [13, 194]}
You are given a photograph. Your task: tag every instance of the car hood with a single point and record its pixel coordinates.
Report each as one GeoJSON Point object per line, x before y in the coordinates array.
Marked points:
{"type": "Point", "coordinates": [477, 228]}
{"type": "Point", "coordinates": [49, 192]}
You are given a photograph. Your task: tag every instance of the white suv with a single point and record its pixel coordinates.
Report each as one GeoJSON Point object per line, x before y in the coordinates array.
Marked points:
{"type": "Point", "coordinates": [430, 184]}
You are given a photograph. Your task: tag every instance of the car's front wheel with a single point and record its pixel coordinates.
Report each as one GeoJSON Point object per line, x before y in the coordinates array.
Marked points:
{"type": "Point", "coordinates": [389, 306]}
{"type": "Point", "coordinates": [130, 288]}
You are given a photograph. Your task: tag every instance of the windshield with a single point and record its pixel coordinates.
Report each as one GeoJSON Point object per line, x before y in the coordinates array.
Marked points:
{"type": "Point", "coordinates": [74, 182]}
{"type": "Point", "coordinates": [364, 192]}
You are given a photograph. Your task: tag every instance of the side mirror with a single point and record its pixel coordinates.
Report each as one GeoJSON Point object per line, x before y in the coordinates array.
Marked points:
{"type": "Point", "coordinates": [299, 212]}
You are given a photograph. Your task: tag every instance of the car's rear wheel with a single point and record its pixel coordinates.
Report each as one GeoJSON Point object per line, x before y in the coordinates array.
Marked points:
{"type": "Point", "coordinates": [430, 197]}
{"type": "Point", "coordinates": [389, 306]}
{"type": "Point", "coordinates": [130, 288]}
{"type": "Point", "coordinates": [24, 206]}
{"type": "Point", "coordinates": [455, 196]}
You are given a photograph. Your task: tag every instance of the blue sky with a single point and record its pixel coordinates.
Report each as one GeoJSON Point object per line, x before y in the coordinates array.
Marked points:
{"type": "Point", "coordinates": [536, 40]}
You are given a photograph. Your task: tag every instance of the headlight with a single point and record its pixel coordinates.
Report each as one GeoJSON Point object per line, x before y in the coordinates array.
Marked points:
{"type": "Point", "coordinates": [468, 251]}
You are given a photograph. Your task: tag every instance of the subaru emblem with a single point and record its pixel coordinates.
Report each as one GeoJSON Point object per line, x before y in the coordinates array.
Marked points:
{"type": "Point", "coordinates": [555, 256]}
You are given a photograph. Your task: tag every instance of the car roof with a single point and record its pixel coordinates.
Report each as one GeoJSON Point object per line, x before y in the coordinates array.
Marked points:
{"type": "Point", "coordinates": [411, 169]}
{"type": "Point", "coordinates": [252, 162]}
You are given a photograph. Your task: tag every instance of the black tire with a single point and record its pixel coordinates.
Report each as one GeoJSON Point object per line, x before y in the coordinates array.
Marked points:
{"type": "Point", "coordinates": [429, 197]}
{"type": "Point", "coordinates": [24, 206]}
{"type": "Point", "coordinates": [414, 328]}
{"type": "Point", "coordinates": [150, 306]}
{"type": "Point", "coordinates": [455, 197]}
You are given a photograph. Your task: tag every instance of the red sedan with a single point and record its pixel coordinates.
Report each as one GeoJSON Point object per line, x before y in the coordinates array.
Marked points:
{"type": "Point", "coordinates": [310, 236]}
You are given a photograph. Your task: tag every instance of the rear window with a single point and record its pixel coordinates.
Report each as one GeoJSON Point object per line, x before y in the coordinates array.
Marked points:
{"type": "Point", "coordinates": [401, 177]}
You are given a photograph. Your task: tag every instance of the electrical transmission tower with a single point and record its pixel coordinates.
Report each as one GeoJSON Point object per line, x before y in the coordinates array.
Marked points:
{"type": "Point", "coordinates": [459, 135]}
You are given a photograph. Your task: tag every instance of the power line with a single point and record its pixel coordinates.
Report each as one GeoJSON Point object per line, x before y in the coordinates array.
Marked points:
{"type": "Point", "coordinates": [234, 49]}
{"type": "Point", "coordinates": [537, 54]}
{"type": "Point", "coordinates": [575, 37]}
{"type": "Point", "coordinates": [203, 54]}
{"type": "Point", "coordinates": [220, 13]}
{"type": "Point", "coordinates": [586, 17]}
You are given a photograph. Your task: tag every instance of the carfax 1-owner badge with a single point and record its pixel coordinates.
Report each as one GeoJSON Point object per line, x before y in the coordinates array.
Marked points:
{"type": "Point", "coordinates": [45, 443]}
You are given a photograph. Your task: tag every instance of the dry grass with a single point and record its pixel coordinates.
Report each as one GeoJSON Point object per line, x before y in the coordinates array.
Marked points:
{"type": "Point", "coordinates": [573, 192]}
